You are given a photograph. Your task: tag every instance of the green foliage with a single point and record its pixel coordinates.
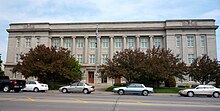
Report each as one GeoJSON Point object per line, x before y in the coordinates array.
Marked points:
{"type": "Point", "coordinates": [109, 89]}
{"type": "Point", "coordinates": [154, 66]}
{"type": "Point", "coordinates": [1, 71]}
{"type": "Point", "coordinates": [120, 84]}
{"type": "Point", "coordinates": [49, 65]}
{"type": "Point", "coordinates": [170, 82]}
{"type": "Point", "coordinates": [204, 70]}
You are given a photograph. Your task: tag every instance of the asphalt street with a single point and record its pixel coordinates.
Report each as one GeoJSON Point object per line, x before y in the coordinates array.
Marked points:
{"type": "Point", "coordinates": [56, 101]}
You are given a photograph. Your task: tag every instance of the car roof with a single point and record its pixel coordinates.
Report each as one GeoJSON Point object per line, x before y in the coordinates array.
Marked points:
{"type": "Point", "coordinates": [205, 86]}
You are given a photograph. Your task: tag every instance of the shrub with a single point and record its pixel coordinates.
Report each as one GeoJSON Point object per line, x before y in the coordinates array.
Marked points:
{"type": "Point", "coordinates": [171, 82]}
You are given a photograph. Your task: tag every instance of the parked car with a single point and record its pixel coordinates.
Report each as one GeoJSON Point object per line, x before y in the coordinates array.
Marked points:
{"type": "Point", "coordinates": [208, 90]}
{"type": "Point", "coordinates": [134, 88]}
{"type": "Point", "coordinates": [6, 84]}
{"type": "Point", "coordinates": [78, 87]}
{"type": "Point", "coordinates": [35, 86]}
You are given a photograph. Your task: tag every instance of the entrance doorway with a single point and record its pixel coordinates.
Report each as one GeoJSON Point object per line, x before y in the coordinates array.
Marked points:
{"type": "Point", "coordinates": [91, 77]}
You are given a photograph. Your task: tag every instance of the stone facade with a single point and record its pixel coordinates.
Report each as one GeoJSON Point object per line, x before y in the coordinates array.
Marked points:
{"type": "Point", "coordinates": [186, 38]}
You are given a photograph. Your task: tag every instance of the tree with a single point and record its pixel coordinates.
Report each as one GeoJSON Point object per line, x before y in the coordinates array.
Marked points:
{"type": "Point", "coordinates": [49, 65]}
{"type": "Point", "coordinates": [161, 65]}
{"type": "Point", "coordinates": [155, 66]}
{"type": "Point", "coordinates": [127, 64]}
{"type": "Point", "coordinates": [1, 71]}
{"type": "Point", "coordinates": [204, 70]}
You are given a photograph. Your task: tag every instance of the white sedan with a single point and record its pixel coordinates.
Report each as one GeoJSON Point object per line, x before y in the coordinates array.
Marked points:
{"type": "Point", "coordinates": [208, 90]}
{"type": "Point", "coordinates": [134, 88]}
{"type": "Point", "coordinates": [35, 86]}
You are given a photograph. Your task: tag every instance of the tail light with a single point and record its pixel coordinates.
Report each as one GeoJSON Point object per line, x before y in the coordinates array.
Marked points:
{"type": "Point", "coordinates": [15, 82]}
{"type": "Point", "coordinates": [42, 85]}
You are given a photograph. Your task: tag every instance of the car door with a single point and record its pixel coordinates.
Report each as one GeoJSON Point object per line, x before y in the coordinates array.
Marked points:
{"type": "Point", "coordinates": [130, 88]}
{"type": "Point", "coordinates": [208, 90]}
{"type": "Point", "coordinates": [73, 87]}
{"type": "Point", "coordinates": [199, 90]}
{"type": "Point", "coordinates": [30, 85]}
{"type": "Point", "coordinates": [79, 87]}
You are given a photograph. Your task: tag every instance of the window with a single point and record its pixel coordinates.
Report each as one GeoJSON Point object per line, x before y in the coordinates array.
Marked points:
{"type": "Point", "coordinates": [92, 42]}
{"type": "Point", "coordinates": [18, 41]}
{"type": "Point", "coordinates": [178, 41]}
{"type": "Point", "coordinates": [80, 42]}
{"type": "Point", "coordinates": [56, 42]}
{"type": "Point", "coordinates": [118, 42]}
{"type": "Point", "coordinates": [92, 58]}
{"type": "Point", "coordinates": [144, 43]}
{"type": "Point", "coordinates": [80, 58]}
{"type": "Point", "coordinates": [203, 40]}
{"type": "Point", "coordinates": [68, 43]}
{"type": "Point", "coordinates": [190, 58]}
{"type": "Point", "coordinates": [157, 42]}
{"type": "Point", "coordinates": [104, 58]}
{"type": "Point", "coordinates": [105, 42]}
{"type": "Point", "coordinates": [17, 57]}
{"type": "Point", "coordinates": [131, 42]}
{"type": "Point", "coordinates": [37, 41]}
{"type": "Point", "coordinates": [190, 41]}
{"type": "Point", "coordinates": [28, 42]}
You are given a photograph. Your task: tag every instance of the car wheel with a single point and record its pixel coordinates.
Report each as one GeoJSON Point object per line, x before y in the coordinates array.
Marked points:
{"type": "Point", "coordinates": [120, 92]}
{"type": "Point", "coordinates": [216, 94]}
{"type": "Point", "coordinates": [190, 94]}
{"type": "Point", "coordinates": [6, 89]}
{"type": "Point", "coordinates": [36, 89]}
{"type": "Point", "coordinates": [64, 90]}
{"type": "Point", "coordinates": [85, 91]}
{"type": "Point", "coordinates": [145, 93]}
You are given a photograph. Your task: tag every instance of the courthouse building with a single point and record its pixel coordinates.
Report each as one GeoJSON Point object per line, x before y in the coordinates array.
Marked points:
{"type": "Point", "coordinates": [186, 38]}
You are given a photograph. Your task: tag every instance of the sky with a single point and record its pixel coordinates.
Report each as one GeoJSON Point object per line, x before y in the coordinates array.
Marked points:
{"type": "Point", "coordinates": [62, 11]}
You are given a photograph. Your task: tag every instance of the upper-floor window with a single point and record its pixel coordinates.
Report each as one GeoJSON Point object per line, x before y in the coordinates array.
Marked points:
{"type": "Point", "coordinates": [68, 43]}
{"type": "Point", "coordinates": [203, 40]}
{"type": "Point", "coordinates": [104, 58]}
{"type": "Point", "coordinates": [105, 42]}
{"type": "Point", "coordinates": [17, 58]}
{"type": "Point", "coordinates": [56, 42]}
{"type": "Point", "coordinates": [92, 58]}
{"type": "Point", "coordinates": [18, 42]}
{"type": "Point", "coordinates": [37, 41]}
{"type": "Point", "coordinates": [80, 42]}
{"type": "Point", "coordinates": [131, 42]}
{"type": "Point", "coordinates": [118, 42]}
{"type": "Point", "coordinates": [178, 41]}
{"type": "Point", "coordinates": [28, 42]}
{"type": "Point", "coordinates": [92, 42]}
{"type": "Point", "coordinates": [157, 42]}
{"type": "Point", "coordinates": [144, 42]}
{"type": "Point", "coordinates": [190, 41]}
{"type": "Point", "coordinates": [190, 58]}
{"type": "Point", "coordinates": [80, 58]}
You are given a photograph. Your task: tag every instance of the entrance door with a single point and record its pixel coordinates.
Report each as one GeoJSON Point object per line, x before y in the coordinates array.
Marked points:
{"type": "Point", "coordinates": [91, 77]}
{"type": "Point", "coordinates": [117, 80]}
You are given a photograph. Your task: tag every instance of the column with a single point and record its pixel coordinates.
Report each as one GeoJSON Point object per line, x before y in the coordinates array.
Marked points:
{"type": "Point", "coordinates": [184, 48]}
{"type": "Point", "coordinates": [197, 48]}
{"type": "Point", "coordinates": [86, 50]}
{"type": "Point", "coordinates": [111, 52]}
{"type": "Point", "coordinates": [137, 41]}
{"type": "Point", "coordinates": [164, 42]}
{"type": "Point", "coordinates": [33, 41]}
{"type": "Point", "coordinates": [74, 46]}
{"type": "Point", "coordinates": [98, 49]}
{"type": "Point", "coordinates": [49, 41]}
{"type": "Point", "coordinates": [124, 42]}
{"type": "Point", "coordinates": [151, 41]}
{"type": "Point", "coordinates": [61, 41]}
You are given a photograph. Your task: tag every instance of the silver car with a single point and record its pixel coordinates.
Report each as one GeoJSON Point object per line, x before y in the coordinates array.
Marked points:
{"type": "Point", "coordinates": [134, 88]}
{"type": "Point", "coordinates": [78, 87]}
{"type": "Point", "coordinates": [208, 90]}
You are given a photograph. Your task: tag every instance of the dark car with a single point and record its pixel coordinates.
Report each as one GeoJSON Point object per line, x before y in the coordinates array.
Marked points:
{"type": "Point", "coordinates": [6, 84]}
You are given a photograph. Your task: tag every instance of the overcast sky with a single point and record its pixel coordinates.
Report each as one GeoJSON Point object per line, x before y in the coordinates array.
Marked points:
{"type": "Point", "coordinates": [15, 11]}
